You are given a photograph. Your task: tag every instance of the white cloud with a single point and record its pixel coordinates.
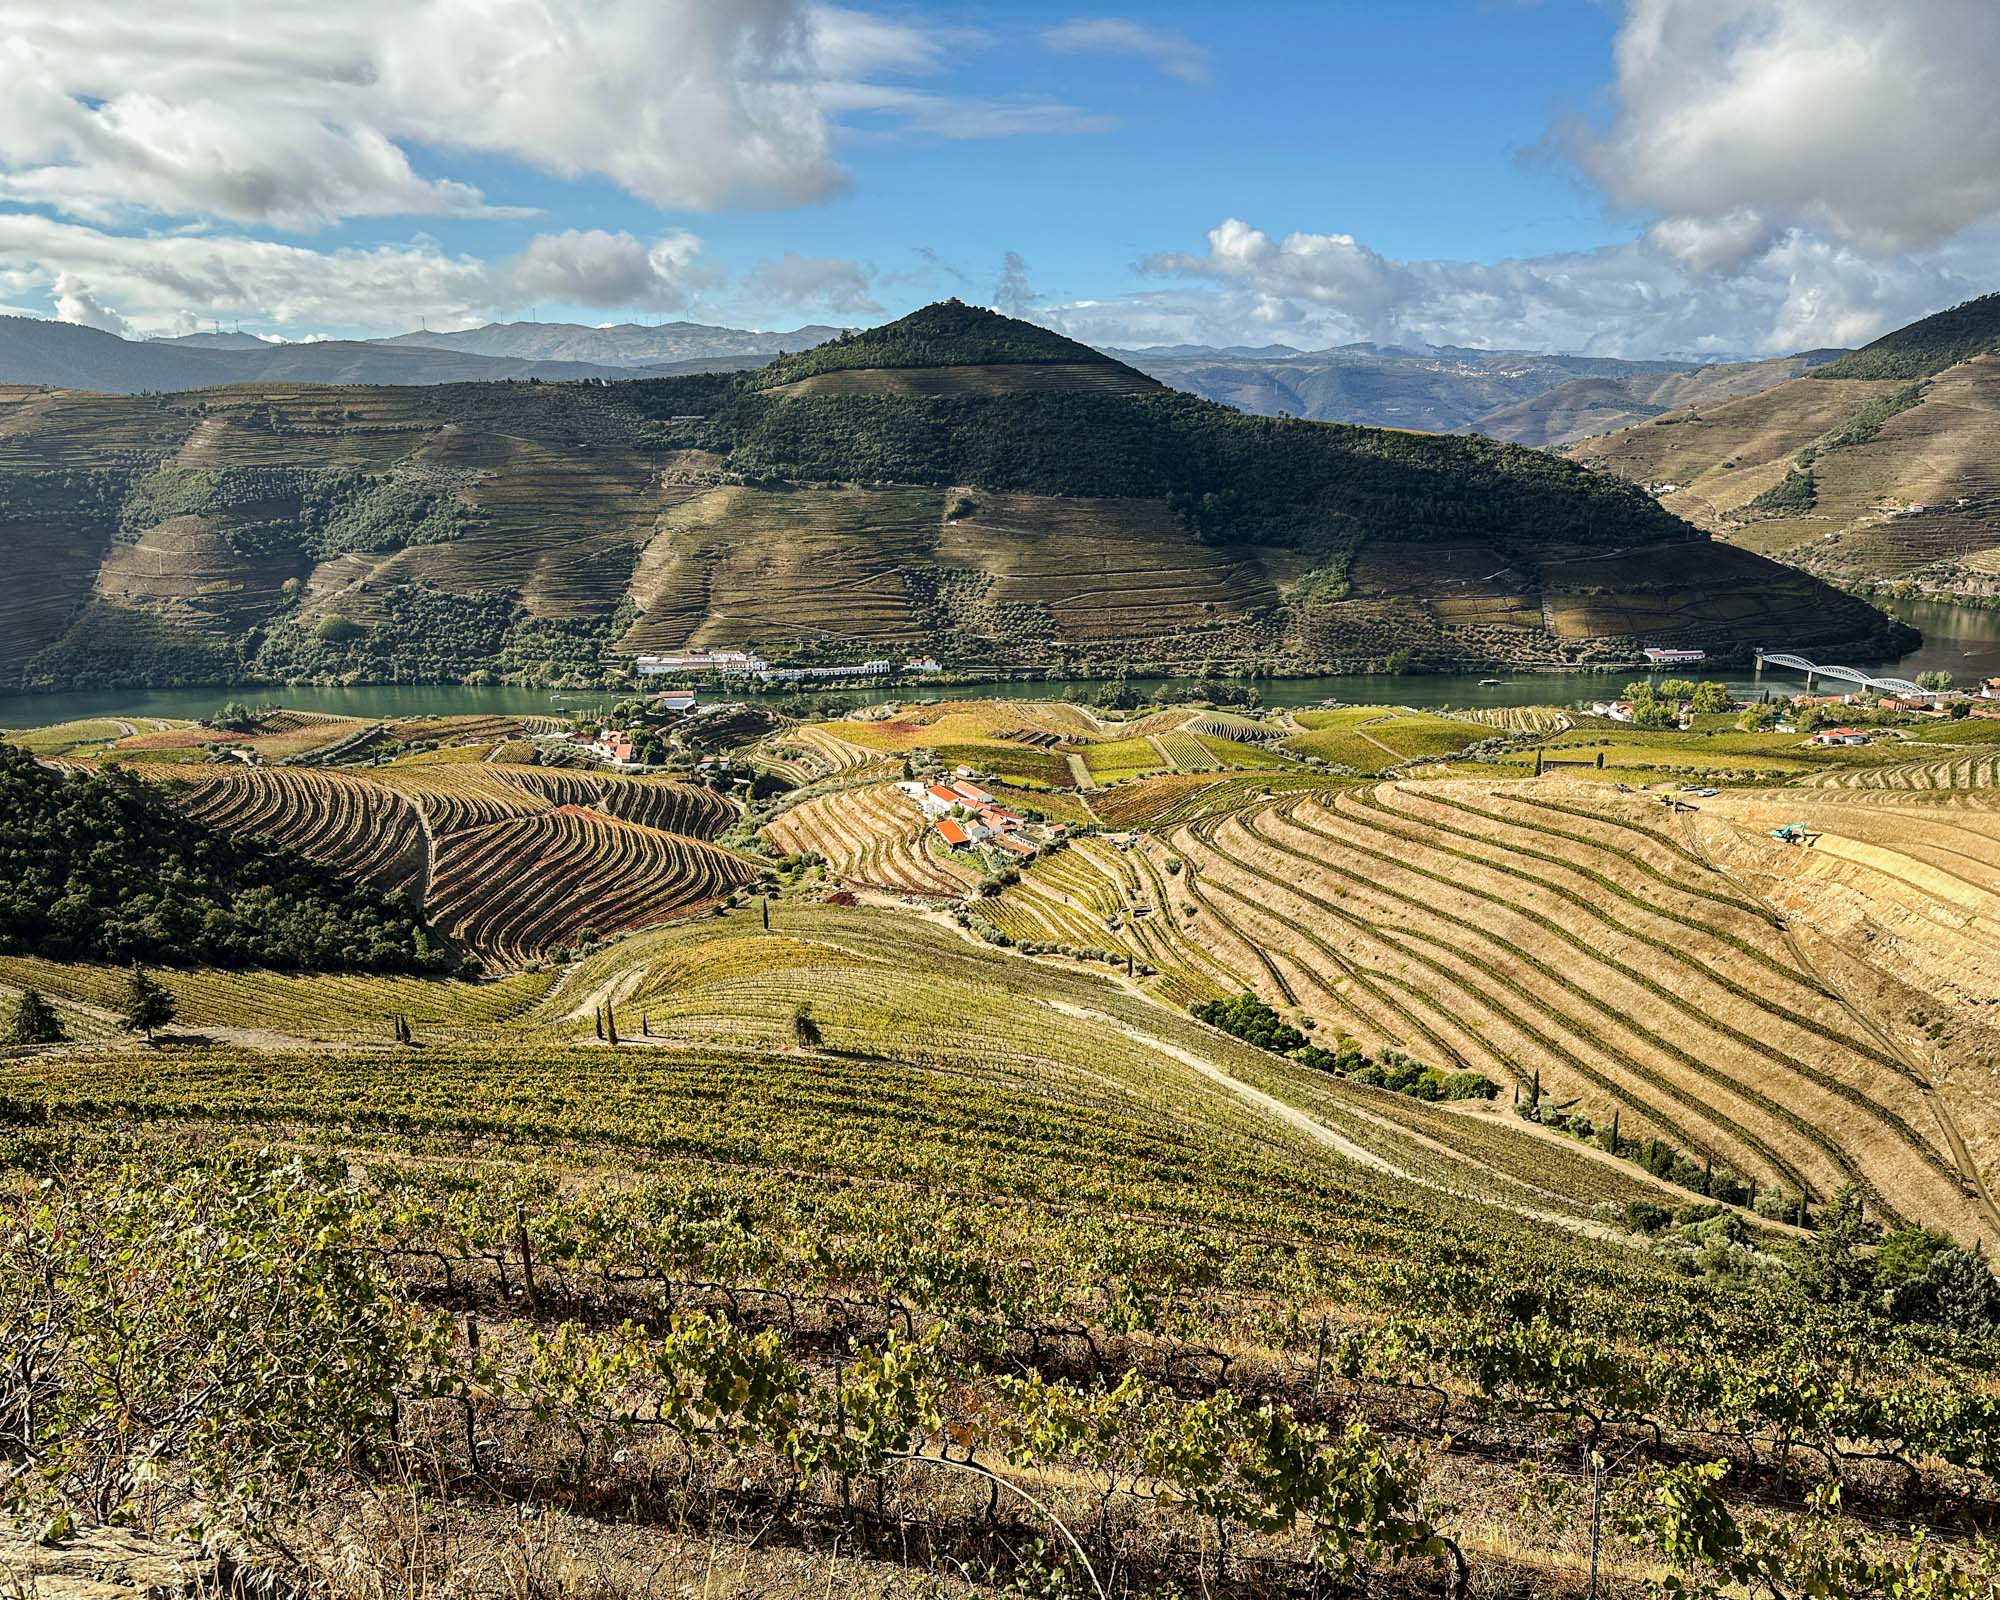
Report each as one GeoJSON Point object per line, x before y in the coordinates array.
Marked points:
{"type": "Point", "coordinates": [1875, 123]}
{"type": "Point", "coordinates": [589, 267]}
{"type": "Point", "coordinates": [1792, 291]}
{"type": "Point", "coordinates": [177, 282]}
{"type": "Point", "coordinates": [813, 283]}
{"type": "Point", "coordinates": [1173, 53]}
{"type": "Point", "coordinates": [1013, 294]}
{"type": "Point", "coordinates": [294, 114]}
{"type": "Point", "coordinates": [80, 306]}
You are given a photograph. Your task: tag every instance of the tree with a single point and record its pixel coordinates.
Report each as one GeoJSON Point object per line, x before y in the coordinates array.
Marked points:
{"type": "Point", "coordinates": [1830, 1267]}
{"type": "Point", "coordinates": [1934, 680]}
{"type": "Point", "coordinates": [1710, 698]}
{"type": "Point", "coordinates": [149, 1004]}
{"type": "Point", "coordinates": [805, 1027]}
{"type": "Point", "coordinates": [35, 1021]}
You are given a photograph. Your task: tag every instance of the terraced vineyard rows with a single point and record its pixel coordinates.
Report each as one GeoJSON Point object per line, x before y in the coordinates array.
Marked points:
{"type": "Point", "coordinates": [1095, 896]}
{"type": "Point", "coordinates": [1973, 773]}
{"type": "Point", "coordinates": [1185, 751]}
{"type": "Point", "coordinates": [564, 852]}
{"type": "Point", "coordinates": [1169, 800]}
{"type": "Point", "coordinates": [1473, 929]}
{"type": "Point", "coordinates": [351, 824]}
{"type": "Point", "coordinates": [528, 884]}
{"type": "Point", "coordinates": [871, 836]}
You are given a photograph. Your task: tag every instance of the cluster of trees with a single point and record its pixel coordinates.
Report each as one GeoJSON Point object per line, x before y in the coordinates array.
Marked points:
{"type": "Point", "coordinates": [102, 867]}
{"type": "Point", "coordinates": [1230, 477]}
{"type": "Point", "coordinates": [1910, 1275]}
{"type": "Point", "coordinates": [1659, 705]}
{"type": "Point", "coordinates": [1254, 1022]}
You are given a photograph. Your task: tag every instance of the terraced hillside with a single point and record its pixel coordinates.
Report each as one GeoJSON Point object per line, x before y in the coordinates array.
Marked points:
{"type": "Point", "coordinates": [510, 861]}
{"type": "Point", "coordinates": [955, 482]}
{"type": "Point", "coordinates": [1878, 468]}
{"type": "Point", "coordinates": [1581, 942]}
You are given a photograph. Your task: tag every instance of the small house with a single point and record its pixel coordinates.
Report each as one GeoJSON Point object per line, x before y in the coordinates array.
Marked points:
{"type": "Point", "coordinates": [1840, 736]}
{"type": "Point", "coordinates": [952, 834]}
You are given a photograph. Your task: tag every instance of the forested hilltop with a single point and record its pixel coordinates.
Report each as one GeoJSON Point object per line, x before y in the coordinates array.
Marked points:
{"type": "Point", "coordinates": [956, 483]}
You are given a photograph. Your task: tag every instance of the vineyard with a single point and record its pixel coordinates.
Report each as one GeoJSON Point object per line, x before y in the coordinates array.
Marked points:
{"type": "Point", "coordinates": [512, 862]}
{"type": "Point", "coordinates": [871, 836]}
{"type": "Point", "coordinates": [918, 1250]}
{"type": "Point", "coordinates": [1063, 1305]}
{"type": "Point", "coordinates": [1573, 946]}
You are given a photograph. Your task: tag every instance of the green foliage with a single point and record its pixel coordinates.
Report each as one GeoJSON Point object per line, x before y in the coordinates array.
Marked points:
{"type": "Point", "coordinates": [36, 1021]}
{"type": "Point", "coordinates": [1939, 679]}
{"type": "Point", "coordinates": [1797, 492]}
{"type": "Point", "coordinates": [1709, 699]}
{"type": "Point", "coordinates": [1251, 1020]}
{"type": "Point", "coordinates": [224, 1321]}
{"type": "Point", "coordinates": [1865, 424]}
{"type": "Point", "coordinates": [102, 867]}
{"type": "Point", "coordinates": [1925, 347]}
{"type": "Point", "coordinates": [148, 1004]}
{"type": "Point", "coordinates": [1232, 477]}
{"type": "Point", "coordinates": [947, 334]}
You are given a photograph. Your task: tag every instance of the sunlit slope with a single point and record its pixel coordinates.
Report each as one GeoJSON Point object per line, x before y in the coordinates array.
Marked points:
{"type": "Point", "coordinates": [1883, 467]}
{"type": "Point", "coordinates": [956, 483]}
{"type": "Point", "coordinates": [1590, 943]}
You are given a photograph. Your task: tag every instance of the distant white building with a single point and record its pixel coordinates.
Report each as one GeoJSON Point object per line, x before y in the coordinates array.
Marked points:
{"type": "Point", "coordinates": [1673, 658]}
{"type": "Point", "coordinates": [702, 661]}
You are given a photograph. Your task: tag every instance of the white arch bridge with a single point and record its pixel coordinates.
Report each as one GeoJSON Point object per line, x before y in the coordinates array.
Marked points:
{"type": "Point", "coordinates": [1813, 669]}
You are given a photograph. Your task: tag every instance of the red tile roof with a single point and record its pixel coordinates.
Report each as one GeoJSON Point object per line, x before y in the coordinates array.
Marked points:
{"type": "Point", "coordinates": [951, 832]}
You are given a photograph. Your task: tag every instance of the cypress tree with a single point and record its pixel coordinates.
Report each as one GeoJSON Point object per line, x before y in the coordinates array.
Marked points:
{"type": "Point", "coordinates": [35, 1021]}
{"type": "Point", "coordinates": [610, 1024]}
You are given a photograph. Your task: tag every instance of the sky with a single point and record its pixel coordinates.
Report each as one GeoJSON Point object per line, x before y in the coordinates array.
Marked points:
{"type": "Point", "coordinates": [1617, 177]}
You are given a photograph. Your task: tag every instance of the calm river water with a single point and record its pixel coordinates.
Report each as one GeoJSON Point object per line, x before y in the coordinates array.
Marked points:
{"type": "Point", "coordinates": [1957, 639]}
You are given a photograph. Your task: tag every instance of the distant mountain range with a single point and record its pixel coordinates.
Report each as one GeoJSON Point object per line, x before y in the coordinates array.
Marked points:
{"type": "Point", "coordinates": [67, 356]}
{"type": "Point", "coordinates": [1521, 396]}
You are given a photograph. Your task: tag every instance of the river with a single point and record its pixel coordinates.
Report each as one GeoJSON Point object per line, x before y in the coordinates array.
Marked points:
{"type": "Point", "coordinates": [1961, 640]}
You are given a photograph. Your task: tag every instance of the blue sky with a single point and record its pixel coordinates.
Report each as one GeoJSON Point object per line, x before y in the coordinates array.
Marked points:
{"type": "Point", "coordinates": [1658, 176]}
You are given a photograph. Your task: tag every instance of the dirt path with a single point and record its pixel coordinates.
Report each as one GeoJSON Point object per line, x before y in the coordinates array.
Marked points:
{"type": "Point", "coordinates": [1361, 731]}
{"type": "Point", "coordinates": [1292, 1117]}
{"type": "Point", "coordinates": [1080, 770]}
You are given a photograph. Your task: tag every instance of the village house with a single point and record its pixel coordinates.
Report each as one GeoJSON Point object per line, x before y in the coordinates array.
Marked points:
{"type": "Point", "coordinates": [1840, 736]}
{"type": "Point", "coordinates": [970, 794]}
{"type": "Point", "coordinates": [1990, 689]}
{"type": "Point", "coordinates": [937, 800]}
{"type": "Point", "coordinates": [952, 834]}
{"type": "Point", "coordinates": [923, 664]}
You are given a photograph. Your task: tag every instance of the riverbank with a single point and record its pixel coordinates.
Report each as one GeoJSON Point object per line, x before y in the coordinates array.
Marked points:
{"type": "Point", "coordinates": [1961, 640]}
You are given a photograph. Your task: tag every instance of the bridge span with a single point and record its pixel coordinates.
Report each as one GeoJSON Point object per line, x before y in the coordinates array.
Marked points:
{"type": "Point", "coordinates": [1814, 669]}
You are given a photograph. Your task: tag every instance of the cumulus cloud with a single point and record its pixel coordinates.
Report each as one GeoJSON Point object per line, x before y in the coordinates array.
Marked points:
{"type": "Point", "coordinates": [1173, 53]}
{"type": "Point", "coordinates": [589, 267]}
{"type": "Point", "coordinates": [1793, 291]}
{"type": "Point", "coordinates": [1877, 124]}
{"type": "Point", "coordinates": [295, 115]}
{"type": "Point", "coordinates": [813, 283]}
{"type": "Point", "coordinates": [82, 307]}
{"type": "Point", "coordinates": [177, 282]}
